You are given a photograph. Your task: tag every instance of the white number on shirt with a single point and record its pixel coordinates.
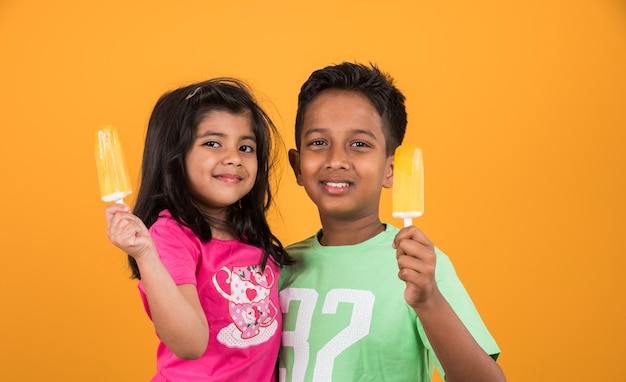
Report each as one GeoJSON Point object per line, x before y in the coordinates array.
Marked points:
{"type": "Point", "coordinates": [363, 303]}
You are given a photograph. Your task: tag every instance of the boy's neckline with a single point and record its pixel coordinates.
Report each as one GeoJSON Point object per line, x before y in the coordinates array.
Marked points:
{"type": "Point", "coordinates": [351, 238]}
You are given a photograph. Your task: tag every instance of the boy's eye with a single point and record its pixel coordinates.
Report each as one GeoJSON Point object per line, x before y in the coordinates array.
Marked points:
{"type": "Point", "coordinates": [246, 148]}
{"type": "Point", "coordinates": [317, 142]}
{"type": "Point", "coordinates": [360, 144]}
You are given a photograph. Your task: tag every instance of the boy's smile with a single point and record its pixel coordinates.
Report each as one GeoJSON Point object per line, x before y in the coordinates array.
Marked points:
{"type": "Point", "coordinates": [334, 187]}
{"type": "Point", "coordinates": [342, 162]}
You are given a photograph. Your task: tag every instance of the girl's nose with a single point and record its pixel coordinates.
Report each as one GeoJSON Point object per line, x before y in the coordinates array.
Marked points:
{"type": "Point", "coordinates": [232, 157]}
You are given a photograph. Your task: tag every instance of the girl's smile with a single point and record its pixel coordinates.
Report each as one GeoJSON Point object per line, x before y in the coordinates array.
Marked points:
{"type": "Point", "coordinates": [228, 178]}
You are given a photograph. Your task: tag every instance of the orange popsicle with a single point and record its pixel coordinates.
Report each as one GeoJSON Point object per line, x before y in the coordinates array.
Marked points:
{"type": "Point", "coordinates": [408, 183]}
{"type": "Point", "coordinates": [112, 174]}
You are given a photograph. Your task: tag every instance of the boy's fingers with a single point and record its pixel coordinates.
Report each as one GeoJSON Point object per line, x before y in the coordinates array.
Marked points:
{"type": "Point", "coordinates": [412, 248]}
{"type": "Point", "coordinates": [408, 247]}
{"type": "Point", "coordinates": [423, 265]}
{"type": "Point", "coordinates": [411, 233]}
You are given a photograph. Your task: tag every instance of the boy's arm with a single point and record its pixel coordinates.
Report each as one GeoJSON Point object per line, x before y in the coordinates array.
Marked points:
{"type": "Point", "coordinates": [175, 310]}
{"type": "Point", "coordinates": [459, 354]}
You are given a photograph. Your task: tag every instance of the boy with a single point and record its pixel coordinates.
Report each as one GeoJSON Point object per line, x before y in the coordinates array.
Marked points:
{"type": "Point", "coordinates": [366, 301]}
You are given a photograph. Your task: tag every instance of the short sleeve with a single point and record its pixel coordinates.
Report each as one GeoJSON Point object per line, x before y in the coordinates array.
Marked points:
{"type": "Point", "coordinates": [178, 248]}
{"type": "Point", "coordinates": [458, 298]}
{"type": "Point", "coordinates": [179, 251]}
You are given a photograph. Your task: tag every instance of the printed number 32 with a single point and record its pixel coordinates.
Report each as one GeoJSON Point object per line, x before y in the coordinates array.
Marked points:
{"type": "Point", "coordinates": [363, 302]}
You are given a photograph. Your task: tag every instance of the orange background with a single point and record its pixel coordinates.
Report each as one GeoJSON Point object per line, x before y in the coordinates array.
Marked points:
{"type": "Point", "coordinates": [520, 108]}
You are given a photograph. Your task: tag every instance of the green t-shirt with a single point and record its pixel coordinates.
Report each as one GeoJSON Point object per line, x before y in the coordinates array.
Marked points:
{"type": "Point", "coordinates": [345, 317]}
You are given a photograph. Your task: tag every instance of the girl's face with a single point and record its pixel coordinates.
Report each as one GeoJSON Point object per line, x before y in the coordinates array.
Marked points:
{"type": "Point", "coordinates": [221, 164]}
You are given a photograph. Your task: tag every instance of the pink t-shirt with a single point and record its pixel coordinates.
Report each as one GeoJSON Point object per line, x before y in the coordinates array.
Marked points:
{"type": "Point", "coordinates": [240, 302]}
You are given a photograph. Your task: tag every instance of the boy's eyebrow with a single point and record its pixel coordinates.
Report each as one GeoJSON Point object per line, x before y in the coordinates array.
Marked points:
{"type": "Point", "coordinates": [322, 130]}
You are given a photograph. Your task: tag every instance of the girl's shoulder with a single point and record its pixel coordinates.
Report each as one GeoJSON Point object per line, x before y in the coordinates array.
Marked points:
{"type": "Point", "coordinates": [166, 225]}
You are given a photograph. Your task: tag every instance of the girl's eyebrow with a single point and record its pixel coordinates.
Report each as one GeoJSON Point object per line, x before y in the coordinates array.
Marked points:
{"type": "Point", "coordinates": [209, 133]}
{"type": "Point", "coordinates": [248, 138]}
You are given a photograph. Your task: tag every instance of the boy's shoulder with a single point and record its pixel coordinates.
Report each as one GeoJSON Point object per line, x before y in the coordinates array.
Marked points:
{"type": "Point", "coordinates": [300, 246]}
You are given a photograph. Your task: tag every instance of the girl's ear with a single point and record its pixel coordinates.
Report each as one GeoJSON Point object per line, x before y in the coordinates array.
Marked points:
{"type": "Point", "coordinates": [388, 179]}
{"type": "Point", "coordinates": [294, 161]}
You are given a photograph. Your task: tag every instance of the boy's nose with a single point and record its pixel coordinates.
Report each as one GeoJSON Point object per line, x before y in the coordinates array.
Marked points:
{"type": "Point", "coordinates": [337, 159]}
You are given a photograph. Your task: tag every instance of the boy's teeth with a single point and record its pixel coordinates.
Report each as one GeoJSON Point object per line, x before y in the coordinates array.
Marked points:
{"type": "Point", "coordinates": [332, 184]}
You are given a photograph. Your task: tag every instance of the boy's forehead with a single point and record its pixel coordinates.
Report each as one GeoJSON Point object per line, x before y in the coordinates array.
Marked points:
{"type": "Point", "coordinates": [341, 109]}
{"type": "Point", "coordinates": [338, 95]}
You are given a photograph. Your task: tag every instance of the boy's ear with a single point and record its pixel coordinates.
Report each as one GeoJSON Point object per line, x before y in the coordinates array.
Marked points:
{"type": "Point", "coordinates": [294, 161]}
{"type": "Point", "coordinates": [388, 180]}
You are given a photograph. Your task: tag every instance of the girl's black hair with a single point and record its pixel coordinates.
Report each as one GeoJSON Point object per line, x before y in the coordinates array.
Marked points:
{"type": "Point", "coordinates": [171, 132]}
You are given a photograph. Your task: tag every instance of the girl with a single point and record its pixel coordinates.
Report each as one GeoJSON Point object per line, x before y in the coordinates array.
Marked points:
{"type": "Point", "coordinates": [208, 265]}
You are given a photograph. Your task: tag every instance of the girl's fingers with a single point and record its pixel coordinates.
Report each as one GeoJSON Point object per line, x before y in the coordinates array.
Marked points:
{"type": "Point", "coordinates": [123, 226]}
{"type": "Point", "coordinates": [113, 209]}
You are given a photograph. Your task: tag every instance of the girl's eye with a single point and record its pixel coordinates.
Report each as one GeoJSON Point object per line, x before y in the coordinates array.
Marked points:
{"type": "Point", "coordinates": [211, 144]}
{"type": "Point", "coordinates": [246, 149]}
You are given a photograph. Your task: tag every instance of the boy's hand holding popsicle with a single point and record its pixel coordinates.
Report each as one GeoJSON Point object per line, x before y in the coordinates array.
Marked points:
{"type": "Point", "coordinates": [416, 258]}
{"type": "Point", "coordinates": [415, 253]}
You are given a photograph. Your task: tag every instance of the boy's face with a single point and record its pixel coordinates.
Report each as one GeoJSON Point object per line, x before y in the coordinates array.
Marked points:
{"type": "Point", "coordinates": [342, 162]}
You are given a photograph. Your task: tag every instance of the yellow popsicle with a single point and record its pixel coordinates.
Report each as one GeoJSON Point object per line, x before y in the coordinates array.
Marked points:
{"type": "Point", "coordinates": [112, 174]}
{"type": "Point", "coordinates": [408, 183]}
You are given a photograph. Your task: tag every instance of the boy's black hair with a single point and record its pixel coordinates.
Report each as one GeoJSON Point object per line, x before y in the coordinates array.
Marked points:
{"type": "Point", "coordinates": [377, 86]}
{"type": "Point", "coordinates": [171, 132]}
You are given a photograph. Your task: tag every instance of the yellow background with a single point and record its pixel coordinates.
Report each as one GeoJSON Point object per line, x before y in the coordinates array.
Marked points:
{"type": "Point", "coordinates": [520, 108]}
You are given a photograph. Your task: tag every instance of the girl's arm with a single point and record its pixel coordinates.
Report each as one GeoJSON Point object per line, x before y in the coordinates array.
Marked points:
{"type": "Point", "coordinates": [176, 312]}
{"type": "Point", "coordinates": [460, 355]}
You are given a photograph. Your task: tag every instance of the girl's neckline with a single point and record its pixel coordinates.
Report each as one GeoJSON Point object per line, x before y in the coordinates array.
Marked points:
{"type": "Point", "coordinates": [222, 236]}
